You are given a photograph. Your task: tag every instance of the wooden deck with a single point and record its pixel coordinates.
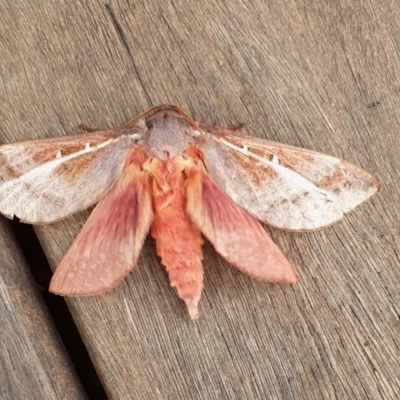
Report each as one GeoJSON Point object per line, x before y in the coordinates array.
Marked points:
{"type": "Point", "coordinates": [321, 75]}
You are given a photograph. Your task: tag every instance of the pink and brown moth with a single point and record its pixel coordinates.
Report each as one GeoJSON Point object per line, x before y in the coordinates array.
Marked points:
{"type": "Point", "coordinates": [166, 174]}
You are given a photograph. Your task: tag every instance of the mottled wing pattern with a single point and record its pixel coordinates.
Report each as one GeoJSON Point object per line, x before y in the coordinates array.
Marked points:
{"type": "Point", "coordinates": [109, 244]}
{"type": "Point", "coordinates": [284, 186]}
{"type": "Point", "coordinates": [235, 234]}
{"type": "Point", "coordinates": [42, 181]}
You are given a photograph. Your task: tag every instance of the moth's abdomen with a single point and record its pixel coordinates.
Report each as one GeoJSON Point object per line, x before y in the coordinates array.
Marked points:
{"type": "Point", "coordinates": [178, 241]}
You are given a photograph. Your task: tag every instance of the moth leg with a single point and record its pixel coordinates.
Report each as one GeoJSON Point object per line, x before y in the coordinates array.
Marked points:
{"type": "Point", "coordinates": [86, 128]}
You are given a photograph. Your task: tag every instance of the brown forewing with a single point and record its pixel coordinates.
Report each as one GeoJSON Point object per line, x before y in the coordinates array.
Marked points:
{"type": "Point", "coordinates": [285, 186]}
{"type": "Point", "coordinates": [46, 180]}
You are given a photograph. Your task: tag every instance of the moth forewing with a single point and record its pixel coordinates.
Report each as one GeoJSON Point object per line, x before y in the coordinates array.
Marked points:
{"type": "Point", "coordinates": [42, 181]}
{"type": "Point", "coordinates": [285, 186]}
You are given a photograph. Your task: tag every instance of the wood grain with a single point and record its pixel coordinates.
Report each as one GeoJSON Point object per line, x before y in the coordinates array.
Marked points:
{"type": "Point", "coordinates": [33, 361]}
{"type": "Point", "coordinates": [322, 75]}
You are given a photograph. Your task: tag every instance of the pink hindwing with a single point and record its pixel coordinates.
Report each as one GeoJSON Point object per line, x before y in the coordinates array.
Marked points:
{"type": "Point", "coordinates": [235, 234]}
{"type": "Point", "coordinates": [109, 244]}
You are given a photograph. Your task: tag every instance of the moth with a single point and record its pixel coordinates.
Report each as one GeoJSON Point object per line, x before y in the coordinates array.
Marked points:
{"type": "Point", "coordinates": [179, 179]}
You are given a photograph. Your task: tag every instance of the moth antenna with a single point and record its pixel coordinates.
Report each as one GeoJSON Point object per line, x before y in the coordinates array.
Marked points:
{"type": "Point", "coordinates": [150, 110]}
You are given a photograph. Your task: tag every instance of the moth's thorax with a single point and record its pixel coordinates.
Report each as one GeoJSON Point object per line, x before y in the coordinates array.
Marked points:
{"type": "Point", "coordinates": [168, 134]}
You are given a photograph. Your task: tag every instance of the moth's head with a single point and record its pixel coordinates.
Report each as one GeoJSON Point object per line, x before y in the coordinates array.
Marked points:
{"type": "Point", "coordinates": [168, 133]}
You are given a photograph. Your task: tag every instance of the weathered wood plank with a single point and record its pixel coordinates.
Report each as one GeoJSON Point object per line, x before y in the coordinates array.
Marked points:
{"type": "Point", "coordinates": [33, 361]}
{"type": "Point", "coordinates": [322, 75]}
